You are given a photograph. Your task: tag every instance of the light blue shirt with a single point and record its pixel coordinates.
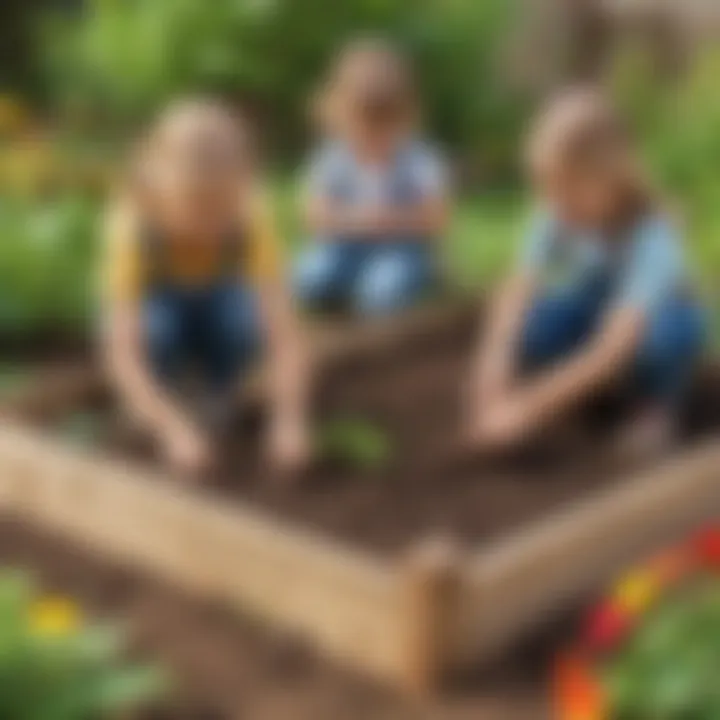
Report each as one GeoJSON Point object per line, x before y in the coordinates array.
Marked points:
{"type": "Point", "coordinates": [643, 269]}
{"type": "Point", "coordinates": [416, 172]}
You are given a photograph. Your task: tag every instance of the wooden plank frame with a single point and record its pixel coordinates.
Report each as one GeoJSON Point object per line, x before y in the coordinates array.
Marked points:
{"type": "Point", "coordinates": [406, 621]}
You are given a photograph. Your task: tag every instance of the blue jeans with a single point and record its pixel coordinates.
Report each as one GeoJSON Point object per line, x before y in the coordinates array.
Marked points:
{"type": "Point", "coordinates": [561, 322]}
{"type": "Point", "coordinates": [212, 329]}
{"type": "Point", "coordinates": [372, 277]}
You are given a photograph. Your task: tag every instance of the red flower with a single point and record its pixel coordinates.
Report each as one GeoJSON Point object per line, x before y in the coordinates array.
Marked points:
{"type": "Point", "coordinates": [607, 627]}
{"type": "Point", "coordinates": [707, 545]}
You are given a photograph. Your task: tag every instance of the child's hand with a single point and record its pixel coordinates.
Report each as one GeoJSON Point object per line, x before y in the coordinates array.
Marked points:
{"type": "Point", "coordinates": [502, 425]}
{"type": "Point", "coordinates": [485, 389]}
{"type": "Point", "coordinates": [492, 384]}
{"type": "Point", "coordinates": [185, 449]}
{"type": "Point", "coordinates": [289, 446]}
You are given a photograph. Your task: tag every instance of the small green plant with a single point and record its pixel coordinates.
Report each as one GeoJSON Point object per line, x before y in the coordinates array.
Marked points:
{"type": "Point", "coordinates": [56, 666]}
{"type": "Point", "coordinates": [355, 442]}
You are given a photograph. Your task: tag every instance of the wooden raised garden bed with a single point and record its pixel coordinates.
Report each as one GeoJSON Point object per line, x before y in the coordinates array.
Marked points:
{"type": "Point", "coordinates": [406, 570]}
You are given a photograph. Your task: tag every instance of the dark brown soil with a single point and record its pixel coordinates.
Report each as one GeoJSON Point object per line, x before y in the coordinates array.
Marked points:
{"type": "Point", "coordinates": [227, 668]}
{"type": "Point", "coordinates": [413, 394]}
{"type": "Point", "coordinates": [231, 669]}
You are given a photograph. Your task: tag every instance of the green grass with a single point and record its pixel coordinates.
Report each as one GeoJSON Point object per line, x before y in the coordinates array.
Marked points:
{"type": "Point", "coordinates": [484, 238]}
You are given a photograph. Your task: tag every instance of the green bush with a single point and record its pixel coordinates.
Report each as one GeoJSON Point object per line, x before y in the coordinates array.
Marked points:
{"type": "Point", "coordinates": [122, 58]}
{"type": "Point", "coordinates": [55, 666]}
{"type": "Point", "coordinates": [669, 670]}
{"type": "Point", "coordinates": [46, 262]}
{"type": "Point", "coordinates": [678, 121]}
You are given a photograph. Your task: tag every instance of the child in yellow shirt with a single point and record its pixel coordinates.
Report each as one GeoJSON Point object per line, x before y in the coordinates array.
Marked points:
{"type": "Point", "coordinates": [192, 276]}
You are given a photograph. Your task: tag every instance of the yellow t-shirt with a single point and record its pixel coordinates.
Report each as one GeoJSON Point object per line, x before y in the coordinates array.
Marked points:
{"type": "Point", "coordinates": [124, 271]}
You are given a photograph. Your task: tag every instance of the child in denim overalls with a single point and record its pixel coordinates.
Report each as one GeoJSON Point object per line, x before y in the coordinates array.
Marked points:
{"type": "Point", "coordinates": [376, 195]}
{"type": "Point", "coordinates": [600, 294]}
{"type": "Point", "coordinates": [192, 278]}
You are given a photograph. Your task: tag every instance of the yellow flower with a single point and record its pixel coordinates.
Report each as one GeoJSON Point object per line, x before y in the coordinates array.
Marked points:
{"type": "Point", "coordinates": [54, 616]}
{"type": "Point", "coordinates": [637, 592]}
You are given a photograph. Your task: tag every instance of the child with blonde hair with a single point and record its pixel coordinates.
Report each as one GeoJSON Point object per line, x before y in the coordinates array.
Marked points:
{"type": "Point", "coordinates": [193, 280]}
{"type": "Point", "coordinates": [600, 293]}
{"type": "Point", "coordinates": [376, 195]}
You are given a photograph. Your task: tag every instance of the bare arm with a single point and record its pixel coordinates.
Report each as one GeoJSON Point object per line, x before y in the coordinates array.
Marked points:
{"type": "Point", "coordinates": [654, 264]}
{"type": "Point", "coordinates": [430, 217]}
{"type": "Point", "coordinates": [324, 216]}
{"type": "Point", "coordinates": [523, 411]}
{"type": "Point", "coordinates": [127, 367]}
{"type": "Point", "coordinates": [289, 372]}
{"type": "Point", "coordinates": [562, 387]}
{"type": "Point", "coordinates": [124, 355]}
{"type": "Point", "coordinates": [496, 355]}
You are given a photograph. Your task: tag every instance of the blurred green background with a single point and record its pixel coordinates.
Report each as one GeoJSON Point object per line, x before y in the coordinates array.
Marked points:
{"type": "Point", "coordinates": [79, 77]}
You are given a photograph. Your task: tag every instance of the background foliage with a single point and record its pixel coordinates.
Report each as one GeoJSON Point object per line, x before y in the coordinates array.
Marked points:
{"type": "Point", "coordinates": [120, 60]}
{"type": "Point", "coordinates": [80, 76]}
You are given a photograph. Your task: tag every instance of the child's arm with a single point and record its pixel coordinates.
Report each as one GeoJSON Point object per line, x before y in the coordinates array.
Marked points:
{"type": "Point", "coordinates": [289, 442]}
{"type": "Point", "coordinates": [525, 410]}
{"type": "Point", "coordinates": [429, 215]}
{"type": "Point", "coordinates": [125, 358]}
{"type": "Point", "coordinates": [323, 214]}
{"type": "Point", "coordinates": [495, 362]}
{"type": "Point", "coordinates": [652, 268]}
{"type": "Point", "coordinates": [287, 354]}
{"type": "Point", "coordinates": [427, 218]}
{"type": "Point", "coordinates": [325, 217]}
{"type": "Point", "coordinates": [496, 358]}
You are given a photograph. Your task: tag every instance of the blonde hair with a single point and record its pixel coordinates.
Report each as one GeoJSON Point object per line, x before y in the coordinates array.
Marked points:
{"type": "Point", "coordinates": [580, 133]}
{"type": "Point", "coordinates": [369, 78]}
{"type": "Point", "coordinates": [207, 126]}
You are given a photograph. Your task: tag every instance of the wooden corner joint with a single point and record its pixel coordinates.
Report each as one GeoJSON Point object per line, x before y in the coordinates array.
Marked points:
{"type": "Point", "coordinates": [430, 584]}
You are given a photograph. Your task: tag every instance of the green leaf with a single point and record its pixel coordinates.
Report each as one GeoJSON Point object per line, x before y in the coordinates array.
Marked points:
{"type": "Point", "coordinates": [355, 442]}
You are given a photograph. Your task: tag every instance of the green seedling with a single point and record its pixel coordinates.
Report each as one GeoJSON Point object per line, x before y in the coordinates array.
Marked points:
{"type": "Point", "coordinates": [354, 442]}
